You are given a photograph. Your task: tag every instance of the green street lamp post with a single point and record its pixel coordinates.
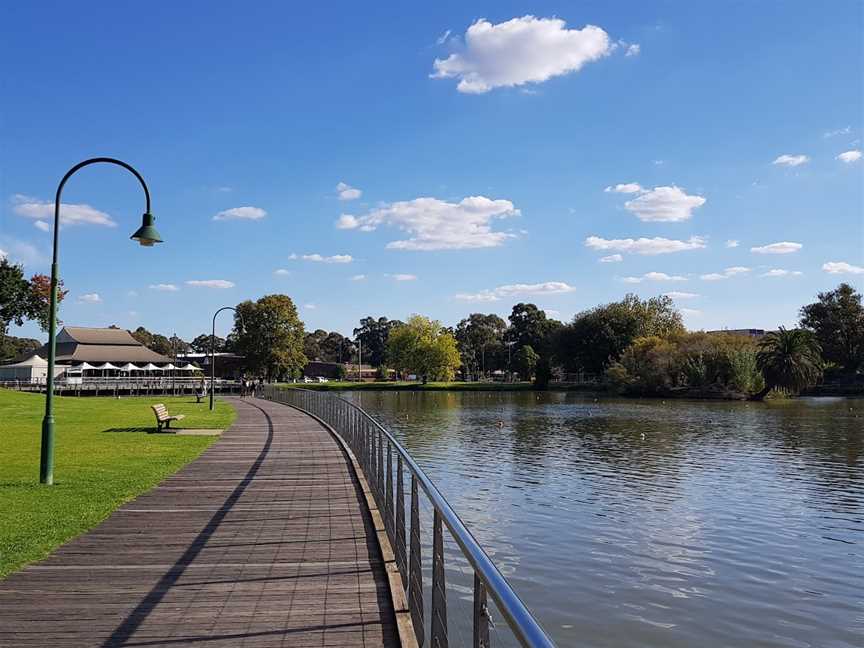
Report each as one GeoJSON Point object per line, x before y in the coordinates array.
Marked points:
{"type": "Point", "coordinates": [146, 235]}
{"type": "Point", "coordinates": [213, 350]}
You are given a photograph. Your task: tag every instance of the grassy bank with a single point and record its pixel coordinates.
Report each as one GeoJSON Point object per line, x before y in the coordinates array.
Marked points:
{"type": "Point", "coordinates": [103, 457]}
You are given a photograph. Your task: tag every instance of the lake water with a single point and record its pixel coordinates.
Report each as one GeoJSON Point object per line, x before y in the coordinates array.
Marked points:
{"type": "Point", "coordinates": [649, 523]}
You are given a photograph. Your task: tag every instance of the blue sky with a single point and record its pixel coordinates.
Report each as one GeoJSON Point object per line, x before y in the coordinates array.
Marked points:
{"type": "Point", "coordinates": [482, 178]}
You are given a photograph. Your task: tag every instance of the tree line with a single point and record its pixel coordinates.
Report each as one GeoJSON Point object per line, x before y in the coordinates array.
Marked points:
{"type": "Point", "coordinates": [633, 345]}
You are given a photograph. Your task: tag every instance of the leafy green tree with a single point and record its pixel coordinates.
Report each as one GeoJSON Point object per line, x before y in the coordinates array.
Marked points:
{"type": "Point", "coordinates": [372, 335]}
{"type": "Point", "coordinates": [312, 344]}
{"type": "Point", "coordinates": [543, 373]}
{"type": "Point", "coordinates": [201, 344]}
{"type": "Point", "coordinates": [481, 342]}
{"type": "Point", "coordinates": [178, 345]}
{"type": "Point", "coordinates": [270, 335]}
{"type": "Point", "coordinates": [144, 336]}
{"type": "Point", "coordinates": [161, 344]}
{"type": "Point", "coordinates": [425, 348]}
{"type": "Point", "coordinates": [39, 303]}
{"type": "Point", "coordinates": [599, 336]}
{"type": "Point", "coordinates": [525, 362]}
{"type": "Point", "coordinates": [837, 319]}
{"type": "Point", "coordinates": [12, 347]}
{"type": "Point", "coordinates": [14, 296]}
{"type": "Point", "coordinates": [790, 360]}
{"type": "Point", "coordinates": [530, 326]}
{"type": "Point", "coordinates": [336, 348]}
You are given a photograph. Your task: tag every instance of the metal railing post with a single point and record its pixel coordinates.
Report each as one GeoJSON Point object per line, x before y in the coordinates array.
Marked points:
{"type": "Point", "coordinates": [481, 615]}
{"type": "Point", "coordinates": [388, 499]}
{"type": "Point", "coordinates": [401, 558]}
{"type": "Point", "coordinates": [415, 576]}
{"type": "Point", "coordinates": [439, 588]}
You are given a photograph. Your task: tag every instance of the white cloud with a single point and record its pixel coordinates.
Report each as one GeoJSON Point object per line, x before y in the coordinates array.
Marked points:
{"type": "Point", "coordinates": [850, 156]}
{"type": "Point", "coordinates": [210, 283]}
{"type": "Point", "coordinates": [442, 38]}
{"type": "Point", "coordinates": [70, 214]}
{"type": "Point", "coordinates": [625, 188]}
{"type": "Point", "coordinates": [3, 254]}
{"type": "Point", "coordinates": [512, 290]}
{"type": "Point", "coordinates": [612, 258]}
{"type": "Point", "coordinates": [402, 277]}
{"type": "Point", "coordinates": [434, 224]}
{"type": "Point", "coordinates": [690, 311]}
{"type": "Point", "coordinates": [654, 276]}
{"type": "Point", "coordinates": [347, 221]}
{"type": "Point", "coordinates": [241, 213]}
{"type": "Point", "coordinates": [310, 306]}
{"type": "Point", "coordinates": [777, 272]}
{"type": "Point", "coordinates": [726, 274]}
{"type": "Point", "coordinates": [347, 192]}
{"type": "Point", "coordinates": [839, 131]}
{"type": "Point", "coordinates": [841, 267]}
{"type": "Point", "coordinates": [358, 277]}
{"type": "Point", "coordinates": [282, 272]}
{"type": "Point", "coordinates": [791, 160]}
{"type": "Point", "coordinates": [318, 258]}
{"type": "Point", "coordinates": [164, 287]}
{"type": "Point", "coordinates": [783, 247]}
{"type": "Point", "coordinates": [633, 49]}
{"type": "Point", "coordinates": [21, 252]}
{"type": "Point", "coordinates": [675, 294]}
{"type": "Point", "coordinates": [132, 293]}
{"type": "Point", "coordinates": [89, 298]}
{"type": "Point", "coordinates": [519, 51]}
{"type": "Point", "coordinates": [42, 225]}
{"type": "Point", "coordinates": [224, 189]}
{"type": "Point", "coordinates": [647, 246]}
{"type": "Point", "coordinates": [732, 243]}
{"type": "Point", "coordinates": [664, 205]}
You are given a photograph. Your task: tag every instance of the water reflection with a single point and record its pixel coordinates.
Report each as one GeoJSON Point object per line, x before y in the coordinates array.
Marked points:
{"type": "Point", "coordinates": [651, 523]}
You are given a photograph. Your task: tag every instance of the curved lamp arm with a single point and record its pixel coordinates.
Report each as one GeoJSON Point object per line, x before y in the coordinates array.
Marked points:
{"type": "Point", "coordinates": [213, 348]}
{"type": "Point", "coordinates": [146, 235]}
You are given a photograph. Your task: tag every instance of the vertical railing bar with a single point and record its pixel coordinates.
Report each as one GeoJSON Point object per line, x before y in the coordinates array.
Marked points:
{"type": "Point", "coordinates": [481, 615]}
{"type": "Point", "coordinates": [439, 592]}
{"type": "Point", "coordinates": [388, 500]}
{"type": "Point", "coordinates": [415, 577]}
{"type": "Point", "coordinates": [400, 523]}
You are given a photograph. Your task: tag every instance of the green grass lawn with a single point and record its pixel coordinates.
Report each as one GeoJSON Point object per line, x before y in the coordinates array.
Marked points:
{"type": "Point", "coordinates": [104, 457]}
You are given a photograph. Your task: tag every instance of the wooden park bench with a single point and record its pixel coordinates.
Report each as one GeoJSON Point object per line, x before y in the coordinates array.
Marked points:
{"type": "Point", "coordinates": [163, 418]}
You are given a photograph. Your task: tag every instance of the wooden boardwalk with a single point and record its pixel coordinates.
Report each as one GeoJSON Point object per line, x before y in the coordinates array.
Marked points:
{"type": "Point", "coordinates": [264, 540]}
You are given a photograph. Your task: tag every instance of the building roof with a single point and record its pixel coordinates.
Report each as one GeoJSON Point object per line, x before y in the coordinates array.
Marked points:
{"type": "Point", "coordinates": [83, 335]}
{"type": "Point", "coordinates": [98, 345]}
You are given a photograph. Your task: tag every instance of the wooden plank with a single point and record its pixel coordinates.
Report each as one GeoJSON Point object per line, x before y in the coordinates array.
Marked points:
{"type": "Point", "coordinates": [264, 540]}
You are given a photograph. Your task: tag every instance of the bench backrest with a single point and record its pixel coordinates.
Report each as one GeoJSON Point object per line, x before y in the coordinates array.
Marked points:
{"type": "Point", "coordinates": [161, 411]}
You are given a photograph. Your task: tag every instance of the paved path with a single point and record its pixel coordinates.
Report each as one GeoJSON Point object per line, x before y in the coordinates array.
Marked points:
{"type": "Point", "coordinates": [264, 540]}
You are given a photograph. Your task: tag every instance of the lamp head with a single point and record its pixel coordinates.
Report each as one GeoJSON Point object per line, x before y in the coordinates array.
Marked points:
{"type": "Point", "coordinates": [147, 234]}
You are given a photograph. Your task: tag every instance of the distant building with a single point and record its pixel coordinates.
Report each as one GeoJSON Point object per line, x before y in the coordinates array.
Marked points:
{"type": "Point", "coordinates": [77, 344]}
{"type": "Point", "coordinates": [228, 365]}
{"type": "Point", "coordinates": [33, 369]}
{"type": "Point", "coordinates": [754, 333]}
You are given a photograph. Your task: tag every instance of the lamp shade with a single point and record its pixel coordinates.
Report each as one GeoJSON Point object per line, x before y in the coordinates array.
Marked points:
{"type": "Point", "coordinates": [147, 234]}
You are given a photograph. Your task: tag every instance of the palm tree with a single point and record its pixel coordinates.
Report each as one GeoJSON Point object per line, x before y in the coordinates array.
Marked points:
{"type": "Point", "coordinates": [789, 359]}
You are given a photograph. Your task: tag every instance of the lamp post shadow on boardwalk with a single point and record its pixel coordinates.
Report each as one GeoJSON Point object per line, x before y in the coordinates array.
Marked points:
{"type": "Point", "coordinates": [146, 235]}
{"type": "Point", "coordinates": [213, 350]}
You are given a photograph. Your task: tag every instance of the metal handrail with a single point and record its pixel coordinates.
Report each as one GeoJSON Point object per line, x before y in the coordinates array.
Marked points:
{"type": "Point", "coordinates": [366, 437]}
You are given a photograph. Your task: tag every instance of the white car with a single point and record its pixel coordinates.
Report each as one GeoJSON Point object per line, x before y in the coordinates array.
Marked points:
{"type": "Point", "coordinates": [307, 379]}
{"type": "Point", "coordinates": [321, 379]}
